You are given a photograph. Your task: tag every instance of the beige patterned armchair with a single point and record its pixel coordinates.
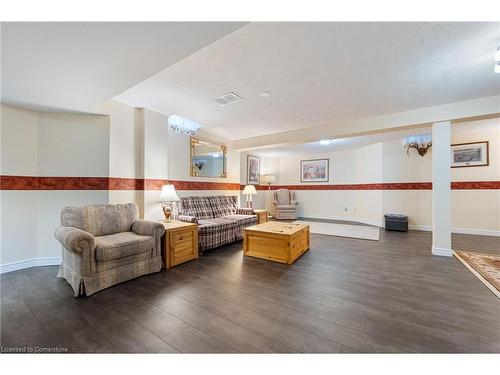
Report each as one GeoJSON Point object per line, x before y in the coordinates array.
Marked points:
{"type": "Point", "coordinates": [284, 204]}
{"type": "Point", "coordinates": [105, 245]}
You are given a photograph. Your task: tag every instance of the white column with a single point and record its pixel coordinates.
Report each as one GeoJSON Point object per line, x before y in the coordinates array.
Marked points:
{"type": "Point", "coordinates": [441, 189]}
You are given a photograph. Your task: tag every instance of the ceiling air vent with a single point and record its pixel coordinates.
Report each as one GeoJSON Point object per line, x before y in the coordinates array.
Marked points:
{"type": "Point", "coordinates": [228, 98]}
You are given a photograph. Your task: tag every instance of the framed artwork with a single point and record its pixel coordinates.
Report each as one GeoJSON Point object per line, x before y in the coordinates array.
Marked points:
{"type": "Point", "coordinates": [472, 154]}
{"type": "Point", "coordinates": [253, 170]}
{"type": "Point", "coordinates": [314, 170]}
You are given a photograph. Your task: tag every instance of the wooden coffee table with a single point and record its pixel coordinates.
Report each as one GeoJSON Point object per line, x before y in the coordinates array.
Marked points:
{"type": "Point", "coordinates": [276, 241]}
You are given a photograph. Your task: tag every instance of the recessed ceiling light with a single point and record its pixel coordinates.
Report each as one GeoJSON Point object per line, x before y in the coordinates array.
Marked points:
{"type": "Point", "coordinates": [265, 94]}
{"type": "Point", "coordinates": [324, 142]}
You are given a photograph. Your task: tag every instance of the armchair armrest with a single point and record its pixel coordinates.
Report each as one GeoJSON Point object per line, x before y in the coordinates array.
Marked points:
{"type": "Point", "coordinates": [245, 211]}
{"type": "Point", "coordinates": [294, 203]}
{"type": "Point", "coordinates": [188, 219]}
{"type": "Point", "coordinates": [148, 228]}
{"type": "Point", "coordinates": [275, 203]}
{"type": "Point", "coordinates": [74, 239]}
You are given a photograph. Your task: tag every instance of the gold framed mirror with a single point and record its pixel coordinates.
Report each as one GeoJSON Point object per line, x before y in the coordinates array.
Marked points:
{"type": "Point", "coordinates": [207, 159]}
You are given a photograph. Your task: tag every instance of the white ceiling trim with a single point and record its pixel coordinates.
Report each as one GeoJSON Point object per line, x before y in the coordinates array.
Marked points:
{"type": "Point", "coordinates": [459, 111]}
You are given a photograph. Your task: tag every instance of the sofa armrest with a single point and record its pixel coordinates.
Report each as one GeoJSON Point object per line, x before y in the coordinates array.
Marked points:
{"type": "Point", "coordinates": [188, 219]}
{"type": "Point", "coordinates": [74, 239]}
{"type": "Point", "coordinates": [245, 211]}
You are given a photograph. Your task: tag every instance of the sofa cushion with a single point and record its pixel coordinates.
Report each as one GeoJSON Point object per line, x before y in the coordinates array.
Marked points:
{"type": "Point", "coordinates": [285, 207]}
{"type": "Point", "coordinates": [100, 220]}
{"type": "Point", "coordinates": [72, 217]}
{"type": "Point", "coordinates": [223, 205]}
{"type": "Point", "coordinates": [283, 196]}
{"type": "Point", "coordinates": [124, 244]}
{"type": "Point", "coordinates": [220, 222]}
{"type": "Point", "coordinates": [243, 219]}
{"type": "Point", "coordinates": [219, 231]}
{"type": "Point", "coordinates": [199, 207]}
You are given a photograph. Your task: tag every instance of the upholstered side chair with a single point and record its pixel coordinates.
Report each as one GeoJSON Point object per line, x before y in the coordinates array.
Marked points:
{"type": "Point", "coordinates": [284, 204]}
{"type": "Point", "coordinates": [104, 245]}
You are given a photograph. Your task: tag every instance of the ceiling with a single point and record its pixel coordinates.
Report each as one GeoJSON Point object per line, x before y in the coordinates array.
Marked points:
{"type": "Point", "coordinates": [317, 73]}
{"type": "Point", "coordinates": [342, 144]}
{"type": "Point", "coordinates": [323, 73]}
{"type": "Point", "coordinates": [350, 143]}
{"type": "Point", "coordinates": [80, 65]}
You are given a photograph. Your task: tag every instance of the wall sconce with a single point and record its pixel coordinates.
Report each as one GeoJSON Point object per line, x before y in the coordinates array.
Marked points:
{"type": "Point", "coordinates": [182, 125]}
{"type": "Point", "coordinates": [422, 143]}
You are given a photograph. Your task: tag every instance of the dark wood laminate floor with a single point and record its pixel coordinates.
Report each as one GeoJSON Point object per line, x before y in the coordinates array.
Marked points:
{"type": "Point", "coordinates": [343, 296]}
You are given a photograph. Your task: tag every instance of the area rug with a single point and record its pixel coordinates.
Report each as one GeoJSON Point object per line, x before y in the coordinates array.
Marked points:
{"type": "Point", "coordinates": [364, 232]}
{"type": "Point", "coordinates": [486, 267]}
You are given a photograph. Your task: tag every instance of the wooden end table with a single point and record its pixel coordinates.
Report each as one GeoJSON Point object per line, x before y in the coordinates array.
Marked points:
{"type": "Point", "coordinates": [261, 216]}
{"type": "Point", "coordinates": [180, 243]}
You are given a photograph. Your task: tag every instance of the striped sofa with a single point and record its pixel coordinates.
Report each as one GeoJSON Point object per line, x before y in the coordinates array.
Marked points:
{"type": "Point", "coordinates": [219, 219]}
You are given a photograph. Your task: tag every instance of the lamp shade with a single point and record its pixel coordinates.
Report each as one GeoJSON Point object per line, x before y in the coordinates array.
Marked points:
{"type": "Point", "coordinates": [268, 178]}
{"type": "Point", "coordinates": [168, 194]}
{"type": "Point", "coordinates": [249, 190]}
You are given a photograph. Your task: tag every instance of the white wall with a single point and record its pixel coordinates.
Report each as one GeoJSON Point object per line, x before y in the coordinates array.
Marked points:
{"type": "Point", "coordinates": [476, 210]}
{"type": "Point", "coordinates": [19, 210]}
{"type": "Point", "coordinates": [473, 211]}
{"type": "Point", "coordinates": [19, 132]}
{"type": "Point", "coordinates": [73, 145]}
{"type": "Point", "coordinates": [363, 165]}
{"type": "Point", "coordinates": [126, 149]}
{"type": "Point", "coordinates": [47, 144]}
{"type": "Point", "coordinates": [155, 159]}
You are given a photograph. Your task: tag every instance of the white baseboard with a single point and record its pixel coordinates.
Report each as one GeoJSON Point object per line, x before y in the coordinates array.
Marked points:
{"type": "Point", "coordinates": [477, 232]}
{"type": "Point", "coordinates": [28, 263]}
{"type": "Point", "coordinates": [427, 228]}
{"type": "Point", "coordinates": [442, 252]}
{"type": "Point", "coordinates": [375, 223]}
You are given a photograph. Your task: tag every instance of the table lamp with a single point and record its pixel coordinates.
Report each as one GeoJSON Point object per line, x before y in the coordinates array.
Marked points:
{"type": "Point", "coordinates": [168, 197]}
{"type": "Point", "coordinates": [268, 179]}
{"type": "Point", "coordinates": [249, 190]}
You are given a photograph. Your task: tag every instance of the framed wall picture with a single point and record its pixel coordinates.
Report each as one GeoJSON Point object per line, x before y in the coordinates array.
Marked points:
{"type": "Point", "coordinates": [253, 170]}
{"type": "Point", "coordinates": [472, 154]}
{"type": "Point", "coordinates": [314, 170]}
